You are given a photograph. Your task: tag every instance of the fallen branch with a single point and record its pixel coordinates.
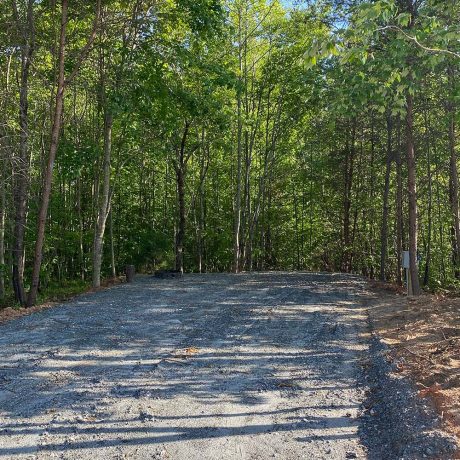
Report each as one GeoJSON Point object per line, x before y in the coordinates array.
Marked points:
{"type": "Point", "coordinates": [419, 356]}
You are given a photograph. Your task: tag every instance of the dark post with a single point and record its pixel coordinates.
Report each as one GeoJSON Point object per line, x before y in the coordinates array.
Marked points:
{"type": "Point", "coordinates": [129, 271]}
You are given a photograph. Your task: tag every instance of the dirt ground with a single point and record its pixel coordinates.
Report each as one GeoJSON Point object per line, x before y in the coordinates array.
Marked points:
{"type": "Point", "coordinates": [211, 367]}
{"type": "Point", "coordinates": [205, 367]}
{"type": "Point", "coordinates": [424, 335]}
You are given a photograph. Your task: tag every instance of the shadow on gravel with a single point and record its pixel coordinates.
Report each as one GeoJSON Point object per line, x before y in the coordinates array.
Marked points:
{"type": "Point", "coordinates": [160, 435]}
{"type": "Point", "coordinates": [121, 344]}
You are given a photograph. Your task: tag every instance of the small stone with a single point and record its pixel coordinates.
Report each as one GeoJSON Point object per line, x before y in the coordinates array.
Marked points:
{"type": "Point", "coordinates": [146, 417]}
{"type": "Point", "coordinates": [351, 454]}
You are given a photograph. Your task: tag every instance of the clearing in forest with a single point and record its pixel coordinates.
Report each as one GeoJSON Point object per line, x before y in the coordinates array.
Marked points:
{"type": "Point", "coordinates": [250, 366]}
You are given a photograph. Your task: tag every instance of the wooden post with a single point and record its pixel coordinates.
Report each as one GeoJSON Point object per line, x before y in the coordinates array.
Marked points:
{"type": "Point", "coordinates": [130, 270]}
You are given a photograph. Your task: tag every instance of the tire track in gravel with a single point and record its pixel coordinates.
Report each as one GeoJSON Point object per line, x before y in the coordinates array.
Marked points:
{"type": "Point", "coordinates": [208, 367]}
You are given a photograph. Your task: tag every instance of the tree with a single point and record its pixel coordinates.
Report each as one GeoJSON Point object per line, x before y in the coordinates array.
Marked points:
{"type": "Point", "coordinates": [61, 85]}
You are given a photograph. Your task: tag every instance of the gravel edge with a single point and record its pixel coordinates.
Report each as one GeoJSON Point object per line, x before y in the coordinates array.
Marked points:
{"type": "Point", "coordinates": [395, 422]}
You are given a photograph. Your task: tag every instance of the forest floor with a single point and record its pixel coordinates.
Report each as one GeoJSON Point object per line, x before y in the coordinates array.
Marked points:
{"type": "Point", "coordinates": [424, 336]}
{"type": "Point", "coordinates": [251, 366]}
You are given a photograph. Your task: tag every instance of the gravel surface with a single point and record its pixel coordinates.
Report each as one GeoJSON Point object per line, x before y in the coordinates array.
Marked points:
{"type": "Point", "coordinates": [252, 366]}
{"type": "Point", "coordinates": [396, 419]}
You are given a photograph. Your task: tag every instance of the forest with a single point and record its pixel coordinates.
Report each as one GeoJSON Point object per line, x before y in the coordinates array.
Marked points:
{"type": "Point", "coordinates": [227, 135]}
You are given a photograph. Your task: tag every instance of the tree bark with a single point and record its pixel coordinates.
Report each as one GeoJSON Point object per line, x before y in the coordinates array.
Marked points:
{"type": "Point", "coordinates": [3, 177]}
{"type": "Point", "coordinates": [54, 143]}
{"type": "Point", "coordinates": [412, 192]}
{"type": "Point", "coordinates": [180, 166]}
{"type": "Point", "coordinates": [426, 277]}
{"type": "Point", "coordinates": [21, 167]}
{"type": "Point", "coordinates": [399, 208]}
{"type": "Point", "coordinates": [2, 227]}
{"type": "Point", "coordinates": [204, 165]}
{"type": "Point", "coordinates": [453, 180]}
{"type": "Point", "coordinates": [112, 245]}
{"type": "Point", "coordinates": [348, 179]}
{"type": "Point", "coordinates": [48, 176]}
{"type": "Point", "coordinates": [237, 205]}
{"type": "Point", "coordinates": [386, 195]}
{"type": "Point", "coordinates": [104, 204]}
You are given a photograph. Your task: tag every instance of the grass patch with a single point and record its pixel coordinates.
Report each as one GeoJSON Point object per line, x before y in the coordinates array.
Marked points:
{"type": "Point", "coordinates": [54, 292]}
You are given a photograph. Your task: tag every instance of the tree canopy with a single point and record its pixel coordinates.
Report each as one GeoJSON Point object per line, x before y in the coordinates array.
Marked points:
{"type": "Point", "coordinates": [210, 135]}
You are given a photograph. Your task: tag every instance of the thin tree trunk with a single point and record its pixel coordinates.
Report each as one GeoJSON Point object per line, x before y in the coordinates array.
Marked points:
{"type": "Point", "coordinates": [81, 231]}
{"type": "Point", "coordinates": [3, 177]}
{"type": "Point", "coordinates": [2, 228]}
{"type": "Point", "coordinates": [426, 277]}
{"type": "Point", "coordinates": [202, 197]}
{"type": "Point", "coordinates": [296, 227]}
{"type": "Point", "coordinates": [399, 209]}
{"type": "Point", "coordinates": [21, 166]}
{"type": "Point", "coordinates": [386, 194]}
{"type": "Point", "coordinates": [181, 223]}
{"type": "Point", "coordinates": [55, 134]}
{"type": "Point", "coordinates": [112, 245]}
{"type": "Point", "coordinates": [180, 166]}
{"type": "Point", "coordinates": [57, 120]}
{"type": "Point", "coordinates": [412, 191]}
{"type": "Point", "coordinates": [371, 212]}
{"type": "Point", "coordinates": [104, 206]}
{"type": "Point", "coordinates": [453, 182]}
{"type": "Point", "coordinates": [237, 205]}
{"type": "Point", "coordinates": [439, 213]}
{"type": "Point", "coordinates": [348, 177]}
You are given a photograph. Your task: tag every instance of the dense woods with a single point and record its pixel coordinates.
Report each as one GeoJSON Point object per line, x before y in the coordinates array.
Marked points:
{"type": "Point", "coordinates": [227, 136]}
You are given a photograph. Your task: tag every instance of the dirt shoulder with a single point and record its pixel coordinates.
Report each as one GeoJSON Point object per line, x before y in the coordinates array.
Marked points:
{"type": "Point", "coordinates": [424, 338]}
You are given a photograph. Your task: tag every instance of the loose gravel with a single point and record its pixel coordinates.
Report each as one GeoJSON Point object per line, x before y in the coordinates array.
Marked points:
{"type": "Point", "coordinates": [252, 366]}
{"type": "Point", "coordinates": [397, 419]}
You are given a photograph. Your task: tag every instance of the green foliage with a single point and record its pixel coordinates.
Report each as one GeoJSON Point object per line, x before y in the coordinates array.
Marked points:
{"type": "Point", "coordinates": [309, 91]}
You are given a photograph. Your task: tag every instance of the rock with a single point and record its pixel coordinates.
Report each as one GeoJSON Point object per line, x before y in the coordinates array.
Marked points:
{"type": "Point", "coordinates": [146, 417]}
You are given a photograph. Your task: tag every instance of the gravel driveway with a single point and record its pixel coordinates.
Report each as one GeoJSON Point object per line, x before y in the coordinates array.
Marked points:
{"type": "Point", "coordinates": [251, 366]}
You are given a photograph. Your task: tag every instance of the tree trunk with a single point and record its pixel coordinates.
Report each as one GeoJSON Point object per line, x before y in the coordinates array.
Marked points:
{"type": "Point", "coordinates": [204, 164]}
{"type": "Point", "coordinates": [237, 205]}
{"type": "Point", "coordinates": [112, 245]}
{"type": "Point", "coordinates": [399, 209]}
{"type": "Point", "coordinates": [412, 191]}
{"type": "Point", "coordinates": [3, 177]}
{"type": "Point", "coordinates": [48, 176]}
{"type": "Point", "coordinates": [180, 166]}
{"type": "Point", "coordinates": [181, 224]}
{"type": "Point", "coordinates": [426, 277]}
{"type": "Point", "coordinates": [440, 217]}
{"type": "Point", "coordinates": [2, 227]}
{"type": "Point", "coordinates": [348, 178]}
{"type": "Point", "coordinates": [453, 182]}
{"type": "Point", "coordinates": [386, 194]}
{"type": "Point", "coordinates": [104, 205]}
{"type": "Point", "coordinates": [21, 166]}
